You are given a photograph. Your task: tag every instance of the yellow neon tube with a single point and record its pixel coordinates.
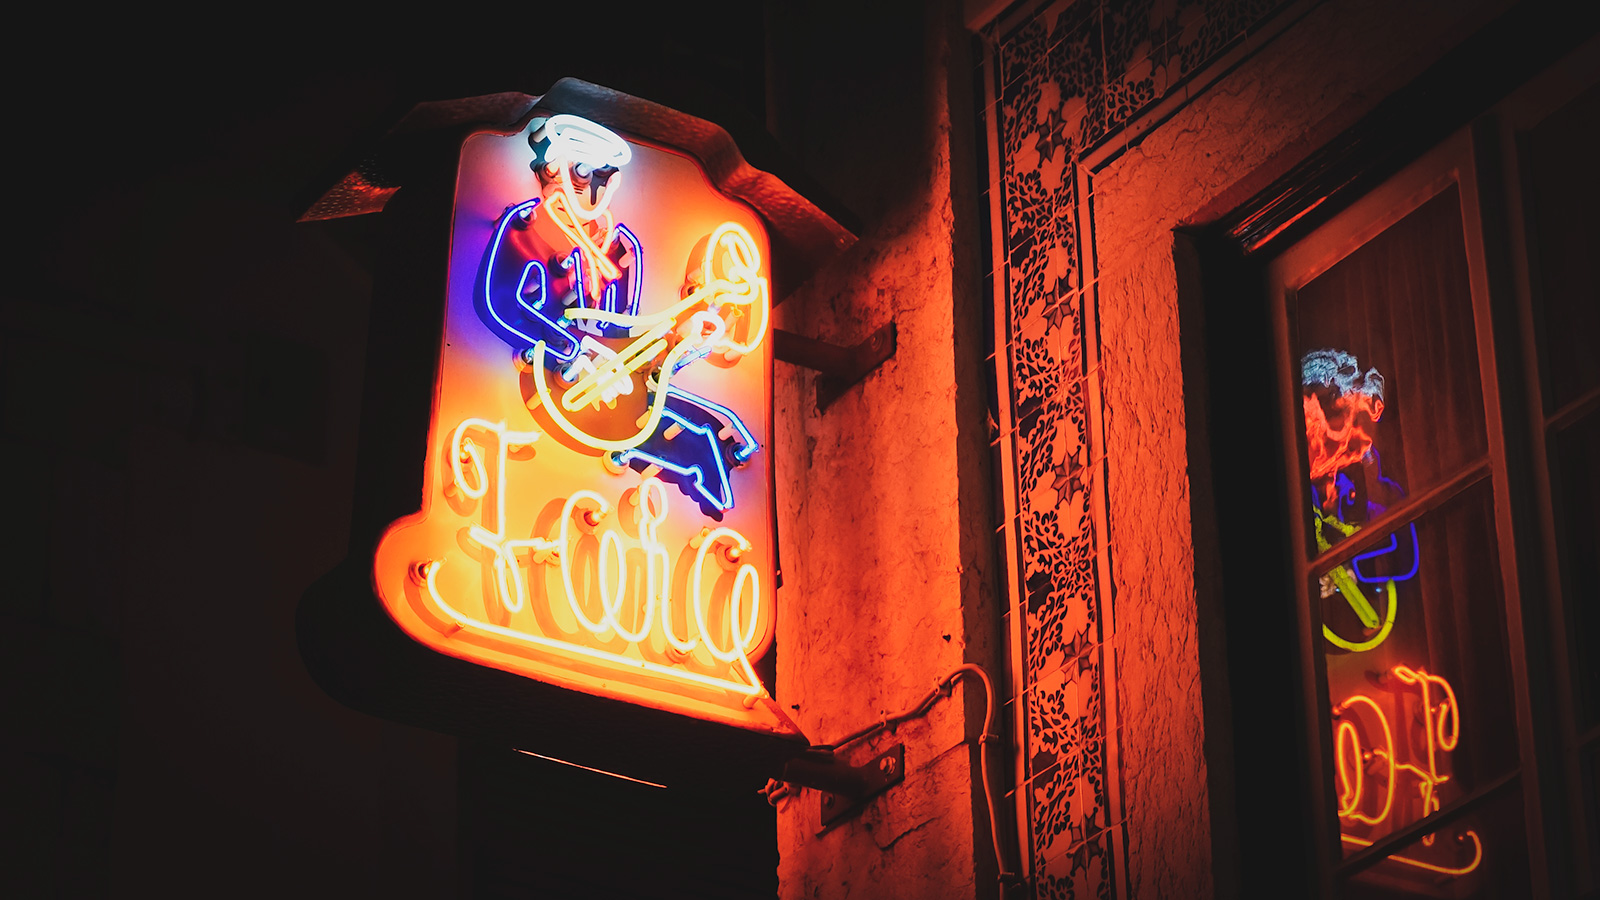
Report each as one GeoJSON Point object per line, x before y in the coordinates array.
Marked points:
{"type": "Point", "coordinates": [1477, 855]}
{"type": "Point", "coordinates": [565, 541]}
{"type": "Point", "coordinates": [1350, 809]}
{"type": "Point", "coordinates": [628, 360]}
{"type": "Point", "coordinates": [744, 270]}
{"type": "Point", "coordinates": [1375, 640]}
{"type": "Point", "coordinates": [652, 418]}
{"type": "Point", "coordinates": [611, 574]}
{"type": "Point", "coordinates": [458, 448]}
{"type": "Point", "coordinates": [658, 563]}
{"type": "Point", "coordinates": [740, 642]}
{"type": "Point", "coordinates": [752, 690]}
{"type": "Point", "coordinates": [600, 265]}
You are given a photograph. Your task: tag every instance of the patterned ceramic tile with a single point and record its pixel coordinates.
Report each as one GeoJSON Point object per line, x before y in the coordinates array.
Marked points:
{"type": "Point", "coordinates": [1081, 873]}
{"type": "Point", "coordinates": [1067, 77]}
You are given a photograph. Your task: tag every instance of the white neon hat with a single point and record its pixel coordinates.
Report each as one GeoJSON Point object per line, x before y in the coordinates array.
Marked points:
{"type": "Point", "coordinates": [583, 141]}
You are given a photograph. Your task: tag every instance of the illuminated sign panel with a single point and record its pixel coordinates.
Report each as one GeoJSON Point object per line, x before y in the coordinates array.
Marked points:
{"type": "Point", "coordinates": [1396, 725]}
{"type": "Point", "coordinates": [595, 507]}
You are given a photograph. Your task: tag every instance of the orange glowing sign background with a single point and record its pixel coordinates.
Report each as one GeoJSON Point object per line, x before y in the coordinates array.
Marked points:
{"type": "Point", "coordinates": [595, 508]}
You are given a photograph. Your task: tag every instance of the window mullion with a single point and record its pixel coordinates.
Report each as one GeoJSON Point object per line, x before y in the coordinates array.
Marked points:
{"type": "Point", "coordinates": [1403, 513]}
{"type": "Point", "coordinates": [1397, 841]}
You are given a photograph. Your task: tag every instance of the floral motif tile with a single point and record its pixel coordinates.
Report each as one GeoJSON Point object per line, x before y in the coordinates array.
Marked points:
{"type": "Point", "coordinates": [1066, 77]}
{"type": "Point", "coordinates": [1081, 873]}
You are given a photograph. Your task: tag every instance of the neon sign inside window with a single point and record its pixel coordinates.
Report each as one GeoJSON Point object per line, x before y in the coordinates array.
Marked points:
{"type": "Point", "coordinates": [1391, 750]}
{"type": "Point", "coordinates": [1375, 766]}
{"type": "Point", "coordinates": [596, 499]}
{"type": "Point", "coordinates": [1342, 406]}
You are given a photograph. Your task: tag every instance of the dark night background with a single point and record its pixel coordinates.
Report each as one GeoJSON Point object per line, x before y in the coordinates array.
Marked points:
{"type": "Point", "coordinates": [183, 371]}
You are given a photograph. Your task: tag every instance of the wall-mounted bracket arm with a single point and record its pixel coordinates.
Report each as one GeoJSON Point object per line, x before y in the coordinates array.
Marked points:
{"type": "Point", "coordinates": [838, 367]}
{"type": "Point", "coordinates": [846, 788]}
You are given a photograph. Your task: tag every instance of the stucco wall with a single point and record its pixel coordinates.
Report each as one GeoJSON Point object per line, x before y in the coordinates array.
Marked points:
{"type": "Point", "coordinates": [884, 524]}
{"type": "Point", "coordinates": [1297, 92]}
{"type": "Point", "coordinates": [1113, 122]}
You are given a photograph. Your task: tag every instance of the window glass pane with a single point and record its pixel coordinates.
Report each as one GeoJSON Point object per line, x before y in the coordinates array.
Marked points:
{"type": "Point", "coordinates": [1389, 368]}
{"type": "Point", "coordinates": [1563, 195]}
{"type": "Point", "coordinates": [1420, 697]}
{"type": "Point", "coordinates": [1481, 854]}
{"type": "Point", "coordinates": [1590, 795]}
{"type": "Point", "coordinates": [1576, 489]}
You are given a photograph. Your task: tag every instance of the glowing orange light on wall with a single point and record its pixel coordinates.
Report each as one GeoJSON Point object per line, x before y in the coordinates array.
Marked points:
{"type": "Point", "coordinates": [1441, 732]}
{"type": "Point", "coordinates": [594, 423]}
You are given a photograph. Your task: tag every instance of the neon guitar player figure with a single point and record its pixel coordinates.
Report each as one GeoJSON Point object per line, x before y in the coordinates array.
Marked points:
{"type": "Point", "coordinates": [562, 283]}
{"type": "Point", "coordinates": [1342, 406]}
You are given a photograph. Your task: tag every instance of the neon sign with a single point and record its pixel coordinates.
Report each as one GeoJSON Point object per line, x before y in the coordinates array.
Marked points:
{"type": "Point", "coordinates": [1375, 760]}
{"type": "Point", "coordinates": [1391, 753]}
{"type": "Point", "coordinates": [595, 505]}
{"type": "Point", "coordinates": [1342, 406]}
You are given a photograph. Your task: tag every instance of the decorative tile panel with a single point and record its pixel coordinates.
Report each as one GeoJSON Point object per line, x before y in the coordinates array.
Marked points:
{"type": "Point", "coordinates": [1062, 79]}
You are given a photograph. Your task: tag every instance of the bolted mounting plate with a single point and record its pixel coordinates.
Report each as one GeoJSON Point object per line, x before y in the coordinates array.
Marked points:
{"type": "Point", "coordinates": [838, 368]}
{"type": "Point", "coordinates": [884, 771]}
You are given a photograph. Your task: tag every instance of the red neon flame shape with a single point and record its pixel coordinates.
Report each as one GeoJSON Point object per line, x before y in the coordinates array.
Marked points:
{"type": "Point", "coordinates": [1331, 447]}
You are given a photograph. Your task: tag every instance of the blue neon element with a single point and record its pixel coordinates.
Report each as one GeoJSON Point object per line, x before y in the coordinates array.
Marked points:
{"type": "Point", "coordinates": [722, 498]}
{"type": "Point", "coordinates": [1394, 544]}
{"type": "Point", "coordinates": [688, 358]}
{"type": "Point", "coordinates": [748, 446]}
{"type": "Point", "coordinates": [608, 298]}
{"type": "Point", "coordinates": [1345, 501]}
{"type": "Point", "coordinates": [697, 458]}
{"type": "Point", "coordinates": [635, 283]}
{"type": "Point", "coordinates": [522, 286]}
{"type": "Point", "coordinates": [513, 214]}
{"type": "Point", "coordinates": [574, 261]}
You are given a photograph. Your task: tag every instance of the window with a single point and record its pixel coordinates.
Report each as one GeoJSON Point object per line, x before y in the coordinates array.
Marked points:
{"type": "Point", "coordinates": [1439, 391]}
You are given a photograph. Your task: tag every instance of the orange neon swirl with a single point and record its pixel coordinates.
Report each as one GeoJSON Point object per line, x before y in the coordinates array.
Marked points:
{"type": "Point", "coordinates": [1350, 788]}
{"type": "Point", "coordinates": [1441, 724]}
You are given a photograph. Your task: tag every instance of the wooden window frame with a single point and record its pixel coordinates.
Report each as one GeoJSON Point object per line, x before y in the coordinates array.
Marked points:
{"type": "Point", "coordinates": [1458, 123]}
{"type": "Point", "coordinates": [1452, 163]}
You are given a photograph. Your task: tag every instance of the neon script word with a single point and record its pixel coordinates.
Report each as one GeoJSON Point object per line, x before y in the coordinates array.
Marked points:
{"type": "Point", "coordinates": [1375, 768]}
{"type": "Point", "coordinates": [581, 515]}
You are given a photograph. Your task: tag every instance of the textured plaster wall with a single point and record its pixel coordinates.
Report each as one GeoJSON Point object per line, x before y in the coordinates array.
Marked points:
{"type": "Point", "coordinates": [1316, 79]}
{"type": "Point", "coordinates": [882, 498]}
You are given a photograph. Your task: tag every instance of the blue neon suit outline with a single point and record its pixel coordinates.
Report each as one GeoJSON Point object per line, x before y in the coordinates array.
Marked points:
{"type": "Point", "coordinates": [511, 215]}
{"type": "Point", "coordinates": [724, 501]}
{"type": "Point", "coordinates": [749, 447]}
{"type": "Point", "coordinates": [696, 473]}
{"type": "Point", "coordinates": [1394, 544]}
